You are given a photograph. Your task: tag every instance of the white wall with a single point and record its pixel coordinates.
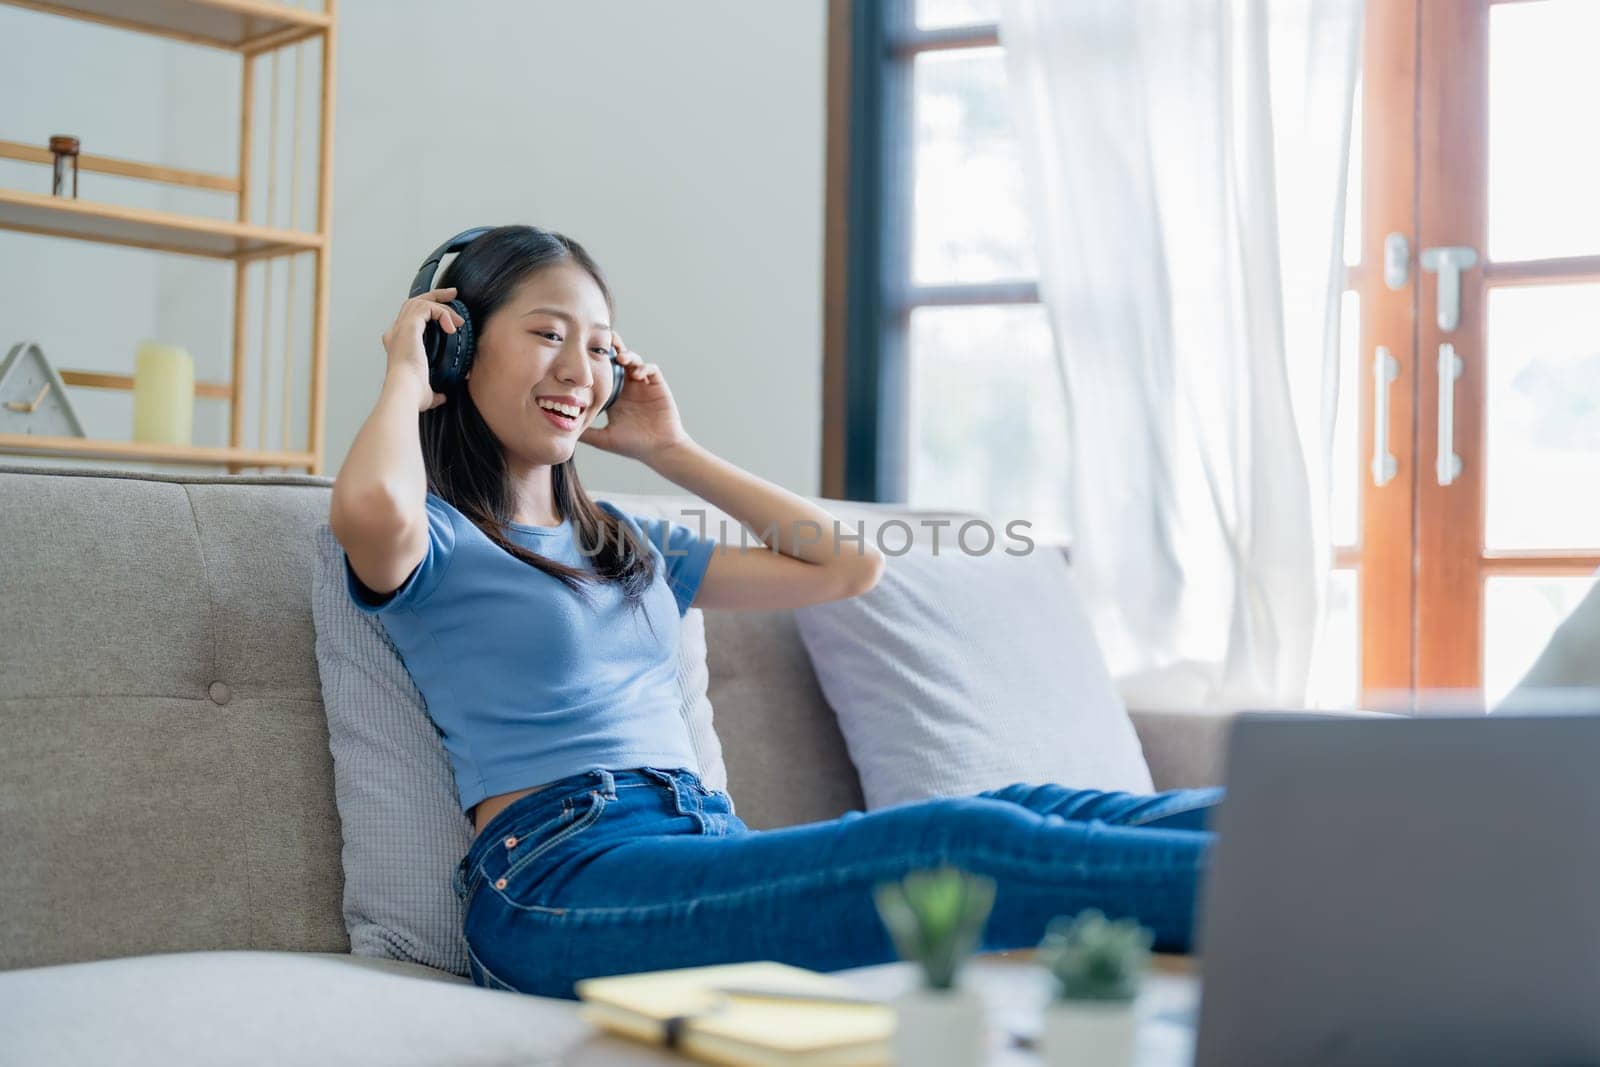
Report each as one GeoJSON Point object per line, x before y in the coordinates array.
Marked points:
{"type": "Point", "coordinates": [681, 143]}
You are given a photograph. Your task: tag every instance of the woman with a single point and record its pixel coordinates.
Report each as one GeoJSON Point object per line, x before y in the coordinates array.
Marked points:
{"type": "Point", "coordinates": [542, 628]}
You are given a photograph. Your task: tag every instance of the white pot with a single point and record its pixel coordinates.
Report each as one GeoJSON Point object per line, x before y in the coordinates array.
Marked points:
{"type": "Point", "coordinates": [939, 1028]}
{"type": "Point", "coordinates": [1088, 1033]}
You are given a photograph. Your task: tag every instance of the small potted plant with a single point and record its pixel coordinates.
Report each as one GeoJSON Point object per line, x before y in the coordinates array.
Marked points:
{"type": "Point", "coordinates": [1097, 965]}
{"type": "Point", "coordinates": [936, 919]}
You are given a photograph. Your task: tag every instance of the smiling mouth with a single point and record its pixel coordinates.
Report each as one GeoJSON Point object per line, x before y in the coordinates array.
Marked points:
{"type": "Point", "coordinates": [560, 418]}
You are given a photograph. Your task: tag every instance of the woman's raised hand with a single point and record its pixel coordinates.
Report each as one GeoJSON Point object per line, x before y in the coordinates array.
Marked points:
{"type": "Point", "coordinates": [403, 341]}
{"type": "Point", "coordinates": [644, 421]}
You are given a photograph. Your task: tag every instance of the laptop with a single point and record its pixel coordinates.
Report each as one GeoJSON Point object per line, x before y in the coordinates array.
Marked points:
{"type": "Point", "coordinates": [1404, 891]}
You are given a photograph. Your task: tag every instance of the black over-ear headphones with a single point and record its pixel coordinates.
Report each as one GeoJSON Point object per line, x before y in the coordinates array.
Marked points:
{"type": "Point", "coordinates": [450, 354]}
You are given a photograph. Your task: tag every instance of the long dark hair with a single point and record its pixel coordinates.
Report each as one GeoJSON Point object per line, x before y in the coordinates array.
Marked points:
{"type": "Point", "coordinates": [464, 460]}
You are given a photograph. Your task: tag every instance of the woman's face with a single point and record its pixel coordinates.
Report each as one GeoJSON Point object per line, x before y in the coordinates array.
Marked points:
{"type": "Point", "coordinates": [550, 342]}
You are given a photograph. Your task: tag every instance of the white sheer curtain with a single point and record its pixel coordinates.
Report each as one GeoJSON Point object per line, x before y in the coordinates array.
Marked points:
{"type": "Point", "coordinates": [1185, 165]}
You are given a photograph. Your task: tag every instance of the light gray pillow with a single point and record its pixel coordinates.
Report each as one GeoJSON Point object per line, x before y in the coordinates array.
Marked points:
{"type": "Point", "coordinates": [1566, 676]}
{"type": "Point", "coordinates": [959, 673]}
{"type": "Point", "coordinates": [403, 827]}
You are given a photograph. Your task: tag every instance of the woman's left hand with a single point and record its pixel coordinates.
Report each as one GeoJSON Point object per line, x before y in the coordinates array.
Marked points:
{"type": "Point", "coordinates": [644, 420]}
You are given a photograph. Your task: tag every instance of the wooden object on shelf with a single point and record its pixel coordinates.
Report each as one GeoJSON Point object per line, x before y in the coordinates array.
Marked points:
{"type": "Point", "coordinates": [63, 161]}
{"type": "Point", "coordinates": [253, 29]}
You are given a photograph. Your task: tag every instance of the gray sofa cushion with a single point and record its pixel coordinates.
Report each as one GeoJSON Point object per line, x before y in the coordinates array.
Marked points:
{"type": "Point", "coordinates": [959, 673]}
{"type": "Point", "coordinates": [404, 830]}
{"type": "Point", "coordinates": [165, 781]}
{"type": "Point", "coordinates": [271, 1008]}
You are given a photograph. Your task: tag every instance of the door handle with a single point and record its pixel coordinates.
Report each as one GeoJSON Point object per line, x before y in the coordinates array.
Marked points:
{"type": "Point", "coordinates": [1396, 261]}
{"type": "Point", "coordinates": [1449, 262]}
{"type": "Point", "coordinates": [1448, 464]}
{"type": "Point", "coordinates": [1384, 371]}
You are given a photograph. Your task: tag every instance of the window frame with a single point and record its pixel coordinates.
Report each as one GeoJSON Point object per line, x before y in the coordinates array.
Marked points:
{"type": "Point", "coordinates": [868, 292]}
{"type": "Point", "coordinates": [872, 49]}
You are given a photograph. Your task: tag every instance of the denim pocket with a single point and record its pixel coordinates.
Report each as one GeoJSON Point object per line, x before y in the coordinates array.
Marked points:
{"type": "Point", "coordinates": [526, 835]}
{"type": "Point", "coordinates": [578, 813]}
{"type": "Point", "coordinates": [512, 842]}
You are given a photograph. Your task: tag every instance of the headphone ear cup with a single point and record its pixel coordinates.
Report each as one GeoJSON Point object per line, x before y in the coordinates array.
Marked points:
{"type": "Point", "coordinates": [449, 354]}
{"type": "Point", "coordinates": [618, 374]}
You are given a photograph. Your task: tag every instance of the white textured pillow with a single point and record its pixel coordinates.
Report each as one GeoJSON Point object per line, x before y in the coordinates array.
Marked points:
{"type": "Point", "coordinates": [404, 830]}
{"type": "Point", "coordinates": [959, 673]}
{"type": "Point", "coordinates": [1566, 676]}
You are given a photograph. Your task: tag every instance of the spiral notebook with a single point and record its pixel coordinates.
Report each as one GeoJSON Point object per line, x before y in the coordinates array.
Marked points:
{"type": "Point", "coordinates": [687, 1010]}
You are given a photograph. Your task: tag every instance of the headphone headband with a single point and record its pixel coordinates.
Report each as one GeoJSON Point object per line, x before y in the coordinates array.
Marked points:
{"type": "Point", "coordinates": [424, 279]}
{"type": "Point", "coordinates": [450, 355]}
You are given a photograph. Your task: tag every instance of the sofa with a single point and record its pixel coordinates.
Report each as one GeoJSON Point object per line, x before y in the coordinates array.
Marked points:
{"type": "Point", "coordinates": [172, 885]}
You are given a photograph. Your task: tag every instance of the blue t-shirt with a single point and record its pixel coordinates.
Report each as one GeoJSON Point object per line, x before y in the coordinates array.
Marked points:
{"type": "Point", "coordinates": [528, 681]}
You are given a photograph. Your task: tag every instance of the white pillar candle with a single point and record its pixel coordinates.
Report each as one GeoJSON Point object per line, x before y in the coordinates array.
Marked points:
{"type": "Point", "coordinates": [163, 394]}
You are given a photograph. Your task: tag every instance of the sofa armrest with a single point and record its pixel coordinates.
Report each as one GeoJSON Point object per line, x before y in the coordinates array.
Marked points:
{"type": "Point", "coordinates": [1186, 749]}
{"type": "Point", "coordinates": [1183, 748]}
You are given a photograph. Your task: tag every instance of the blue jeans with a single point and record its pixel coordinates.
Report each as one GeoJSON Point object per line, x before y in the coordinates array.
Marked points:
{"type": "Point", "coordinates": [613, 872]}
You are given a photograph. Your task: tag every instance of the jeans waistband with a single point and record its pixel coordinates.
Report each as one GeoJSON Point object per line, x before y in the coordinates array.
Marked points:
{"type": "Point", "coordinates": [599, 779]}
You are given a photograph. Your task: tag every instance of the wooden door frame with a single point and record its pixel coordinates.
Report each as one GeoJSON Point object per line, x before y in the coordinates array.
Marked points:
{"type": "Point", "coordinates": [836, 253]}
{"type": "Point", "coordinates": [1453, 169]}
{"type": "Point", "coordinates": [1453, 560]}
{"type": "Point", "coordinates": [1386, 562]}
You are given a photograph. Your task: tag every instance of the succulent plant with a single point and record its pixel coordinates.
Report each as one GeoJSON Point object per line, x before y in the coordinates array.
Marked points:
{"type": "Point", "coordinates": [936, 918]}
{"type": "Point", "coordinates": [1094, 958]}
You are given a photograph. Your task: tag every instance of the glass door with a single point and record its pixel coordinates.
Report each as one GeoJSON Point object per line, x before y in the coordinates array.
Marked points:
{"type": "Point", "coordinates": [1481, 357]}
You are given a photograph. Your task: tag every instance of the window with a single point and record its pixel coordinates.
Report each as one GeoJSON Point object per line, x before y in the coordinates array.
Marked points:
{"type": "Point", "coordinates": [1447, 573]}
{"type": "Point", "coordinates": [954, 399]}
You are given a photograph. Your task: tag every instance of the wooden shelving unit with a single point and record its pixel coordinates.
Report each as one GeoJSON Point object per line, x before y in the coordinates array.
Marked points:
{"type": "Point", "coordinates": [237, 25]}
{"type": "Point", "coordinates": [160, 231]}
{"type": "Point", "coordinates": [85, 448]}
{"type": "Point", "coordinates": [252, 29]}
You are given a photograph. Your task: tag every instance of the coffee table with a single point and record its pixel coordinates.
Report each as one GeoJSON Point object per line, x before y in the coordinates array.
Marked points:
{"type": "Point", "coordinates": [1015, 989]}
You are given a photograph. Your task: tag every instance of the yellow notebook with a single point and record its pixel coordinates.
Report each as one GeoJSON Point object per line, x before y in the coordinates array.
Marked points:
{"type": "Point", "coordinates": [684, 1009]}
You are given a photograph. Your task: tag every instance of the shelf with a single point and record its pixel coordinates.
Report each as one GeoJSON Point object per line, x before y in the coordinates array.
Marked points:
{"type": "Point", "coordinates": [124, 168]}
{"type": "Point", "coordinates": [161, 231]}
{"type": "Point", "coordinates": [248, 29]}
{"type": "Point", "coordinates": [204, 455]}
{"type": "Point", "coordinates": [98, 380]}
{"type": "Point", "coordinates": [239, 25]}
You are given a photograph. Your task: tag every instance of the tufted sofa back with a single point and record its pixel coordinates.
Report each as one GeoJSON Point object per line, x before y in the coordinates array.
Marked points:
{"type": "Point", "coordinates": [165, 778]}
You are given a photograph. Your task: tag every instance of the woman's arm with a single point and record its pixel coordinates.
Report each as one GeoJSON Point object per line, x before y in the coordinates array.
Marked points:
{"type": "Point", "coordinates": [378, 511]}
{"type": "Point", "coordinates": [802, 562]}
{"type": "Point", "coordinates": [810, 556]}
